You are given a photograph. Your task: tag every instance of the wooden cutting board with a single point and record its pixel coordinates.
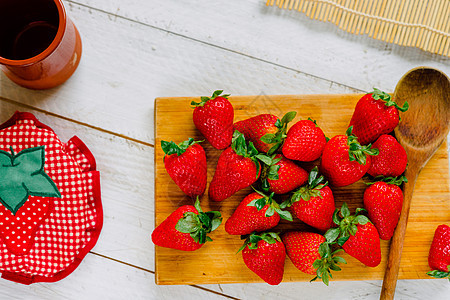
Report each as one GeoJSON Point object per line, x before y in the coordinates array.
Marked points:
{"type": "Point", "coordinates": [217, 262]}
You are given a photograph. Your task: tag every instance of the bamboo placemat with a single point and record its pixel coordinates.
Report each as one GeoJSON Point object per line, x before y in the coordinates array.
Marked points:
{"type": "Point", "coordinates": [424, 24]}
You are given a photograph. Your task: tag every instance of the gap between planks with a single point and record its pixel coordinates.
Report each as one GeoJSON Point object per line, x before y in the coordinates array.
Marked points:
{"type": "Point", "coordinates": [153, 272]}
{"type": "Point", "coordinates": [115, 15]}
{"type": "Point", "coordinates": [30, 107]}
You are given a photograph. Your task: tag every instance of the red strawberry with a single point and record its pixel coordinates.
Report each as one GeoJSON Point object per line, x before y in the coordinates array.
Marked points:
{"type": "Point", "coordinates": [266, 131]}
{"type": "Point", "coordinates": [392, 159]}
{"type": "Point", "coordinates": [383, 201]}
{"type": "Point", "coordinates": [186, 165]}
{"type": "Point", "coordinates": [305, 141]}
{"type": "Point", "coordinates": [264, 254]}
{"type": "Point", "coordinates": [311, 254]}
{"type": "Point", "coordinates": [257, 212]}
{"type": "Point", "coordinates": [213, 117]}
{"type": "Point", "coordinates": [357, 236]}
{"type": "Point", "coordinates": [313, 203]}
{"type": "Point", "coordinates": [375, 114]}
{"type": "Point", "coordinates": [344, 160]}
{"type": "Point", "coordinates": [439, 256]}
{"type": "Point", "coordinates": [281, 175]}
{"type": "Point", "coordinates": [27, 196]}
{"type": "Point", "coordinates": [237, 168]}
{"type": "Point", "coordinates": [186, 228]}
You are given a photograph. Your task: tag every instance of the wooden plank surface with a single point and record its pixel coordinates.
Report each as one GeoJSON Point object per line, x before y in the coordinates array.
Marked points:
{"type": "Point", "coordinates": [135, 51]}
{"type": "Point", "coordinates": [217, 262]}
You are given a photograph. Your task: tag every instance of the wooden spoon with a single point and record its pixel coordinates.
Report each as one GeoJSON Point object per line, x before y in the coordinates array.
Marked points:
{"type": "Point", "coordinates": [422, 129]}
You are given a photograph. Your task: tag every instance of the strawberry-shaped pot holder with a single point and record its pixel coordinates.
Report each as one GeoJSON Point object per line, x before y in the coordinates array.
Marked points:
{"type": "Point", "coordinates": [50, 207]}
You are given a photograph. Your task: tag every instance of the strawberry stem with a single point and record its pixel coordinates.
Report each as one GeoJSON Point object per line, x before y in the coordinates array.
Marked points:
{"type": "Point", "coordinates": [389, 180]}
{"type": "Point", "coordinates": [311, 189]}
{"type": "Point", "coordinates": [357, 152]}
{"type": "Point", "coordinates": [199, 225]}
{"type": "Point", "coordinates": [346, 224]}
{"type": "Point", "coordinates": [172, 148]}
{"type": "Point", "coordinates": [278, 137]}
{"type": "Point", "coordinates": [252, 239]}
{"type": "Point", "coordinates": [203, 100]}
{"type": "Point", "coordinates": [273, 206]}
{"type": "Point", "coordinates": [380, 95]}
{"type": "Point", "coordinates": [328, 262]}
{"type": "Point", "coordinates": [440, 274]}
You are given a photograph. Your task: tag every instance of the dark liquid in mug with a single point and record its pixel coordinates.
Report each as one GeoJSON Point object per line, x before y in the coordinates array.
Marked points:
{"type": "Point", "coordinates": [27, 27]}
{"type": "Point", "coordinates": [33, 39]}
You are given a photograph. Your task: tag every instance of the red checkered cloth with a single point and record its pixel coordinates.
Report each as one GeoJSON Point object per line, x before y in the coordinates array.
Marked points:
{"type": "Point", "coordinates": [50, 207]}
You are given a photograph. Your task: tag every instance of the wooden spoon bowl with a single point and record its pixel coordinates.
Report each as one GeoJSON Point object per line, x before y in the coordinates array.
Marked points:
{"type": "Point", "coordinates": [422, 129]}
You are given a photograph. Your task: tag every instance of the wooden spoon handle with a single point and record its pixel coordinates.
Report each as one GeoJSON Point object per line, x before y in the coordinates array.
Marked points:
{"type": "Point", "coordinates": [396, 247]}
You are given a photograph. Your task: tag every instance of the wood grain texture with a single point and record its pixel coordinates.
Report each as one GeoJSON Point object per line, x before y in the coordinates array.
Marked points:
{"type": "Point", "coordinates": [217, 262]}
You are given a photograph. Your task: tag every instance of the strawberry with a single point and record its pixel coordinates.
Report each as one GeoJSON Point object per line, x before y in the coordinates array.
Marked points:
{"type": "Point", "coordinates": [305, 141]}
{"type": "Point", "coordinates": [375, 114]}
{"type": "Point", "coordinates": [311, 253]}
{"type": "Point", "coordinates": [383, 201]}
{"type": "Point", "coordinates": [439, 255]}
{"type": "Point", "coordinates": [313, 203]}
{"type": "Point", "coordinates": [281, 175]}
{"type": "Point", "coordinates": [186, 228]}
{"type": "Point", "coordinates": [344, 160]}
{"type": "Point", "coordinates": [264, 254]}
{"type": "Point", "coordinates": [213, 116]}
{"type": "Point", "coordinates": [237, 168]}
{"type": "Point", "coordinates": [392, 159]}
{"type": "Point", "coordinates": [256, 212]}
{"type": "Point", "coordinates": [186, 165]}
{"type": "Point", "coordinates": [357, 236]}
{"type": "Point", "coordinates": [265, 131]}
{"type": "Point", "coordinates": [27, 196]}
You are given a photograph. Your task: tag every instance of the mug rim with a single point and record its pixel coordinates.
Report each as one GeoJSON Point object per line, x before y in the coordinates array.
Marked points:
{"type": "Point", "coordinates": [49, 50]}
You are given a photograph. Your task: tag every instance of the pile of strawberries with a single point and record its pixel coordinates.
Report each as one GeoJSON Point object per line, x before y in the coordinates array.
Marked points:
{"type": "Point", "coordinates": [261, 152]}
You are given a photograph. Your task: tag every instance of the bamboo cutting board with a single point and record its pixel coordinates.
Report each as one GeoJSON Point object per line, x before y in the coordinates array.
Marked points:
{"type": "Point", "coordinates": [217, 262]}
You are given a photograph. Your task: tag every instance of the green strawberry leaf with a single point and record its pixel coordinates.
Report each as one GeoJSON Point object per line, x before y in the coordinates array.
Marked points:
{"type": "Point", "coordinates": [258, 203]}
{"type": "Point", "coordinates": [264, 158]}
{"type": "Point", "coordinates": [268, 138]}
{"type": "Point", "coordinates": [199, 225]}
{"type": "Point", "coordinates": [332, 234]}
{"type": "Point", "coordinates": [204, 99]}
{"type": "Point", "coordinates": [438, 274]}
{"type": "Point", "coordinates": [341, 241]}
{"type": "Point", "coordinates": [344, 210]}
{"type": "Point", "coordinates": [380, 95]}
{"type": "Point", "coordinates": [288, 117]}
{"type": "Point", "coordinates": [284, 214]}
{"type": "Point", "coordinates": [172, 148]}
{"type": "Point", "coordinates": [23, 175]}
{"type": "Point", "coordinates": [361, 219]}
{"type": "Point", "coordinates": [270, 211]}
{"type": "Point", "coordinates": [190, 223]}
{"type": "Point", "coordinates": [273, 172]}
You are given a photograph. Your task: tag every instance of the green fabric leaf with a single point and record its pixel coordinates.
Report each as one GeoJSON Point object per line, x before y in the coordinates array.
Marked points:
{"type": "Point", "coordinates": [23, 175]}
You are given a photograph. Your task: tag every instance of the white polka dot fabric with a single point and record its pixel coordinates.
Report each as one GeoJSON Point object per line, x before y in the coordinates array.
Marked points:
{"type": "Point", "coordinates": [48, 236]}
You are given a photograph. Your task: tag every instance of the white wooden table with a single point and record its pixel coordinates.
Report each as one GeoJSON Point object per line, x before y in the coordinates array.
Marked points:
{"type": "Point", "coordinates": [137, 50]}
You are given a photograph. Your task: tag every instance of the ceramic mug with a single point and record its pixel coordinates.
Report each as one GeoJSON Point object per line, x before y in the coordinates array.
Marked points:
{"type": "Point", "coordinates": [40, 47]}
